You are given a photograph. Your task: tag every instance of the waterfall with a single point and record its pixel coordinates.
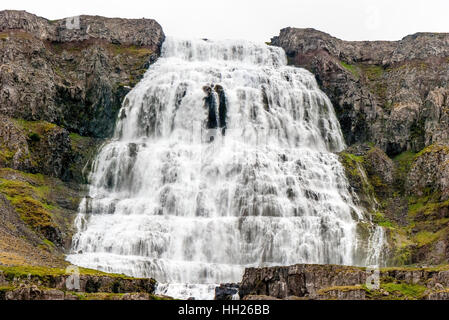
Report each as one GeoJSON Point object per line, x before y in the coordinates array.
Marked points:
{"type": "Point", "coordinates": [222, 158]}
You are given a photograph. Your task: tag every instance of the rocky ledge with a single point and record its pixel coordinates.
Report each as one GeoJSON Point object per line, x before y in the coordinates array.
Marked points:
{"type": "Point", "coordinates": [38, 283]}
{"type": "Point", "coordinates": [329, 282]}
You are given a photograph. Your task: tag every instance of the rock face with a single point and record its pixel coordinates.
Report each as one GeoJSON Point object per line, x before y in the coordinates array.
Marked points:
{"type": "Point", "coordinates": [72, 73]}
{"type": "Point", "coordinates": [430, 172]}
{"type": "Point", "coordinates": [392, 94]}
{"type": "Point", "coordinates": [228, 291]}
{"type": "Point", "coordinates": [55, 284]}
{"type": "Point", "coordinates": [62, 84]}
{"type": "Point", "coordinates": [324, 282]}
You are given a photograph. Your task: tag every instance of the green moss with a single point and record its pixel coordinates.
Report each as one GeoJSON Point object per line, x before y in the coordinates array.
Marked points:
{"type": "Point", "coordinates": [377, 183]}
{"type": "Point", "coordinates": [4, 290]}
{"type": "Point", "coordinates": [6, 155]}
{"type": "Point", "coordinates": [380, 220]}
{"type": "Point", "coordinates": [37, 127]}
{"type": "Point", "coordinates": [353, 165]}
{"type": "Point", "coordinates": [351, 68]}
{"type": "Point", "coordinates": [426, 205]}
{"type": "Point", "coordinates": [434, 148]}
{"type": "Point", "coordinates": [373, 72]}
{"type": "Point", "coordinates": [33, 213]}
{"type": "Point", "coordinates": [403, 256]}
{"type": "Point", "coordinates": [342, 289]}
{"type": "Point", "coordinates": [75, 138]}
{"type": "Point", "coordinates": [409, 291]}
{"type": "Point", "coordinates": [425, 237]}
{"type": "Point", "coordinates": [13, 189]}
{"type": "Point", "coordinates": [48, 243]}
{"type": "Point", "coordinates": [42, 272]}
{"type": "Point", "coordinates": [29, 202]}
{"type": "Point", "coordinates": [405, 160]}
{"type": "Point", "coordinates": [130, 50]}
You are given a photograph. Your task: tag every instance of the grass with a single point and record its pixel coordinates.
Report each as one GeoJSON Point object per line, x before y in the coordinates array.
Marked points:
{"type": "Point", "coordinates": [425, 237]}
{"type": "Point", "coordinates": [351, 68]}
{"type": "Point", "coordinates": [6, 155]}
{"type": "Point", "coordinates": [130, 50]}
{"type": "Point", "coordinates": [397, 291]}
{"type": "Point", "coordinates": [373, 72]}
{"type": "Point", "coordinates": [408, 291]}
{"type": "Point", "coordinates": [426, 205]}
{"type": "Point", "coordinates": [380, 220]}
{"type": "Point", "coordinates": [37, 127]}
{"type": "Point", "coordinates": [434, 148]}
{"type": "Point", "coordinates": [341, 288]}
{"type": "Point", "coordinates": [404, 160]}
{"type": "Point", "coordinates": [29, 200]}
{"type": "Point", "coordinates": [42, 272]}
{"type": "Point", "coordinates": [76, 138]}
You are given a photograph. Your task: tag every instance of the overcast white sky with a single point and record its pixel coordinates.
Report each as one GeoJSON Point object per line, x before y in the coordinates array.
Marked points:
{"type": "Point", "coordinates": [259, 20]}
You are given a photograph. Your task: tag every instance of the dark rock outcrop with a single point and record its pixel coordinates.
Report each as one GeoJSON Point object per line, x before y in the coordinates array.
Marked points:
{"type": "Point", "coordinates": [429, 174]}
{"type": "Point", "coordinates": [392, 94]}
{"type": "Point", "coordinates": [324, 282]}
{"type": "Point", "coordinates": [226, 291]}
{"type": "Point", "coordinates": [29, 283]}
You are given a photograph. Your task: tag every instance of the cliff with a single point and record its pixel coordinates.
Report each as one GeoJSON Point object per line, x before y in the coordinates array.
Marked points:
{"type": "Point", "coordinates": [392, 102]}
{"type": "Point", "coordinates": [327, 282]}
{"type": "Point", "coordinates": [61, 86]}
{"type": "Point", "coordinates": [38, 283]}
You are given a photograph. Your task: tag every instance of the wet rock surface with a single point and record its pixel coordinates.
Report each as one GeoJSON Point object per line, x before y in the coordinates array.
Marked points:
{"type": "Point", "coordinates": [227, 291]}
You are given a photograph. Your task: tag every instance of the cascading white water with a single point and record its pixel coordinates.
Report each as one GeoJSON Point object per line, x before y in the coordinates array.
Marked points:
{"type": "Point", "coordinates": [167, 203]}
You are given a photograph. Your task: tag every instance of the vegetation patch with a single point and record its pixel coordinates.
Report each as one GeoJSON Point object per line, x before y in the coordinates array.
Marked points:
{"type": "Point", "coordinates": [425, 237]}
{"type": "Point", "coordinates": [341, 289]}
{"type": "Point", "coordinates": [29, 195]}
{"type": "Point", "coordinates": [6, 156]}
{"type": "Point", "coordinates": [382, 221]}
{"type": "Point", "coordinates": [28, 203]}
{"type": "Point", "coordinates": [434, 148]}
{"type": "Point", "coordinates": [130, 50]}
{"type": "Point", "coordinates": [35, 127]}
{"type": "Point", "coordinates": [351, 68]}
{"type": "Point", "coordinates": [373, 72]}
{"type": "Point", "coordinates": [405, 290]}
{"type": "Point", "coordinates": [42, 272]}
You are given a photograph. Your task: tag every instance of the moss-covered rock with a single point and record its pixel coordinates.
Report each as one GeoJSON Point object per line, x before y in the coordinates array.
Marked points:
{"type": "Point", "coordinates": [40, 283]}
